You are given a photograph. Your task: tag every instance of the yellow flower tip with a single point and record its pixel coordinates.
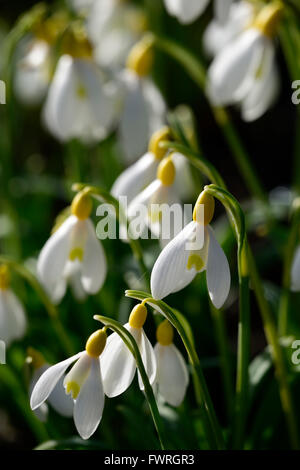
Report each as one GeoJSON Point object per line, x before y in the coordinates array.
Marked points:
{"type": "Point", "coordinates": [36, 359]}
{"type": "Point", "coordinates": [165, 333]}
{"type": "Point", "coordinates": [208, 203]}
{"type": "Point", "coordinates": [159, 136]}
{"type": "Point", "coordinates": [140, 58]}
{"type": "Point", "coordinates": [81, 206]}
{"type": "Point", "coordinates": [96, 343]}
{"type": "Point", "coordinates": [73, 388]}
{"type": "Point", "coordinates": [268, 19]}
{"type": "Point", "coordinates": [4, 277]}
{"type": "Point", "coordinates": [195, 261]}
{"type": "Point", "coordinates": [166, 171]}
{"type": "Point", "coordinates": [138, 316]}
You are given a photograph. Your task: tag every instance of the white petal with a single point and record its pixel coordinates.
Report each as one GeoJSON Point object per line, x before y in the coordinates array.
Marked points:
{"type": "Point", "coordinates": [295, 274]}
{"type": "Point", "coordinates": [12, 317]}
{"type": "Point", "coordinates": [94, 266]}
{"type": "Point", "coordinates": [48, 380]}
{"type": "Point", "coordinates": [186, 11]}
{"type": "Point", "coordinates": [90, 402]}
{"type": "Point", "coordinates": [53, 258]}
{"type": "Point", "coordinates": [136, 177]}
{"type": "Point", "coordinates": [217, 272]}
{"type": "Point", "coordinates": [117, 365]}
{"type": "Point", "coordinates": [170, 269]}
{"type": "Point", "coordinates": [264, 90]}
{"type": "Point", "coordinates": [148, 357]}
{"type": "Point", "coordinates": [232, 72]}
{"type": "Point", "coordinates": [172, 374]}
{"type": "Point", "coordinates": [222, 8]}
{"type": "Point", "coordinates": [60, 402]}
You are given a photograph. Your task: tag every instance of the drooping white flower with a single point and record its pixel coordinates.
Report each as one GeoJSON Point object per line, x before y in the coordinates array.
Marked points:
{"type": "Point", "coordinates": [118, 363]}
{"type": "Point", "coordinates": [193, 250]}
{"type": "Point", "coordinates": [143, 107]}
{"type": "Point", "coordinates": [160, 192]}
{"type": "Point", "coordinates": [218, 34]}
{"type": "Point", "coordinates": [12, 316]}
{"type": "Point", "coordinates": [83, 382]}
{"type": "Point", "coordinates": [244, 72]}
{"type": "Point", "coordinates": [114, 27]}
{"type": "Point", "coordinates": [33, 70]}
{"type": "Point", "coordinates": [73, 247]}
{"type": "Point", "coordinates": [58, 400]}
{"type": "Point", "coordinates": [80, 103]}
{"type": "Point", "coordinates": [172, 374]}
{"type": "Point", "coordinates": [188, 11]}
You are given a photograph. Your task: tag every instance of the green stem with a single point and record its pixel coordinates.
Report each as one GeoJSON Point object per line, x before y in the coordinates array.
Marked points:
{"type": "Point", "coordinates": [134, 244]}
{"type": "Point", "coordinates": [243, 355]}
{"type": "Point", "coordinates": [277, 355]}
{"type": "Point", "coordinates": [213, 430]}
{"type": "Point", "coordinates": [50, 308]}
{"type": "Point", "coordinates": [222, 343]}
{"type": "Point", "coordinates": [286, 278]}
{"type": "Point", "coordinates": [132, 346]}
{"type": "Point", "coordinates": [197, 72]}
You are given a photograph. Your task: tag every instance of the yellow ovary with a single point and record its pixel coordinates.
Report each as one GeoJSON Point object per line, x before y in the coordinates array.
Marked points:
{"type": "Point", "coordinates": [166, 171]}
{"type": "Point", "coordinates": [208, 203]}
{"type": "Point", "coordinates": [96, 343]}
{"type": "Point", "coordinates": [268, 19]}
{"type": "Point", "coordinates": [163, 134]}
{"type": "Point", "coordinates": [81, 206]}
{"type": "Point", "coordinates": [4, 277]}
{"type": "Point", "coordinates": [138, 316]}
{"type": "Point", "coordinates": [140, 58]}
{"type": "Point", "coordinates": [165, 333]}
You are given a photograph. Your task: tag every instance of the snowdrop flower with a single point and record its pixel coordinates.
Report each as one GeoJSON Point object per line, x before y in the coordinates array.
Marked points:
{"type": "Point", "coordinates": [33, 71]}
{"type": "Point", "coordinates": [12, 315]}
{"type": "Point", "coordinates": [34, 59]}
{"type": "Point", "coordinates": [244, 72]}
{"type": "Point", "coordinates": [73, 249]}
{"type": "Point", "coordinates": [58, 400]}
{"type": "Point", "coordinates": [143, 107]}
{"type": "Point", "coordinates": [114, 27]}
{"type": "Point", "coordinates": [188, 11]}
{"type": "Point", "coordinates": [83, 382]}
{"type": "Point", "coordinates": [193, 250]}
{"type": "Point", "coordinates": [141, 173]}
{"type": "Point", "coordinates": [80, 102]}
{"type": "Point", "coordinates": [117, 362]}
{"type": "Point", "coordinates": [218, 33]}
{"type": "Point", "coordinates": [172, 373]}
{"type": "Point", "coordinates": [160, 191]}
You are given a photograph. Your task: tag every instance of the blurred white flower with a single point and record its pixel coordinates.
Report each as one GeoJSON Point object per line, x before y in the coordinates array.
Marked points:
{"type": "Point", "coordinates": [114, 27]}
{"type": "Point", "coordinates": [218, 34]}
{"type": "Point", "coordinates": [82, 7]}
{"type": "Point", "coordinates": [193, 250]}
{"type": "Point", "coordinates": [245, 72]}
{"type": "Point", "coordinates": [83, 382]}
{"type": "Point", "coordinates": [33, 70]}
{"type": "Point", "coordinates": [58, 400]}
{"type": "Point", "coordinates": [73, 250]}
{"type": "Point", "coordinates": [80, 103]}
{"type": "Point", "coordinates": [118, 363]}
{"type": "Point", "coordinates": [12, 316]}
{"type": "Point", "coordinates": [160, 192]}
{"type": "Point", "coordinates": [172, 373]}
{"type": "Point", "coordinates": [187, 11]}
